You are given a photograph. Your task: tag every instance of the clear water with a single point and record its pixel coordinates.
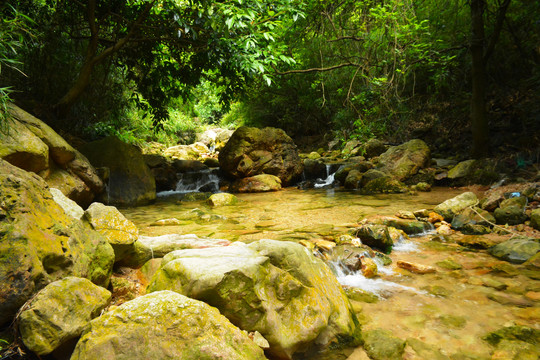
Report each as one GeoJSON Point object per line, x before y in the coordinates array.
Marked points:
{"type": "Point", "coordinates": [450, 309]}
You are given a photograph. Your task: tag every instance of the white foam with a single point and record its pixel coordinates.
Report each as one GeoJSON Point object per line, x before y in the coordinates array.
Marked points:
{"type": "Point", "coordinates": [405, 246]}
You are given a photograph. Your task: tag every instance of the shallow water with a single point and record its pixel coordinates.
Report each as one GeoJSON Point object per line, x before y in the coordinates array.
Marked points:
{"type": "Point", "coordinates": [450, 310]}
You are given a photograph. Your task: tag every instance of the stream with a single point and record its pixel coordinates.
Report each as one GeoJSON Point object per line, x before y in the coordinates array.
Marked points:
{"type": "Point", "coordinates": [450, 310]}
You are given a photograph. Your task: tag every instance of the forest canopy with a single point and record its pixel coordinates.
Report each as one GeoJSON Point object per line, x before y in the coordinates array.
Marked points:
{"type": "Point", "coordinates": [435, 69]}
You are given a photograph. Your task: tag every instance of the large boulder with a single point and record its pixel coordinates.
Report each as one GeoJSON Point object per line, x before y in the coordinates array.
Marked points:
{"type": "Point", "coordinates": [277, 288]}
{"type": "Point", "coordinates": [405, 160]}
{"type": "Point", "coordinates": [40, 243]}
{"type": "Point", "coordinates": [32, 145]}
{"type": "Point", "coordinates": [60, 312]}
{"type": "Point", "coordinates": [511, 211]}
{"type": "Point", "coordinates": [130, 180]}
{"type": "Point", "coordinates": [535, 219]}
{"type": "Point", "coordinates": [165, 325]}
{"type": "Point", "coordinates": [251, 151]}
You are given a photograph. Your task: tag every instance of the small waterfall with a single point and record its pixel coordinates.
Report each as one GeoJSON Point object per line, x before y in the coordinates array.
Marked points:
{"type": "Point", "coordinates": [198, 181]}
{"type": "Point", "coordinates": [320, 183]}
{"type": "Point", "coordinates": [194, 181]}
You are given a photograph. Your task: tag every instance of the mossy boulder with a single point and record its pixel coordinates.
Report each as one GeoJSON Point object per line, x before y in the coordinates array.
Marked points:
{"type": "Point", "coordinates": [111, 223]}
{"type": "Point", "coordinates": [451, 207]}
{"type": "Point", "coordinates": [409, 226]}
{"type": "Point", "coordinates": [314, 169]}
{"type": "Point", "coordinates": [222, 199]}
{"type": "Point", "coordinates": [277, 288]}
{"type": "Point", "coordinates": [257, 183]}
{"type": "Point", "coordinates": [32, 145]}
{"type": "Point", "coordinates": [517, 250]}
{"type": "Point", "coordinates": [375, 236]}
{"type": "Point", "coordinates": [130, 180]}
{"type": "Point", "coordinates": [511, 211]}
{"type": "Point", "coordinates": [165, 325]}
{"type": "Point", "coordinates": [405, 160]}
{"type": "Point", "coordinates": [39, 243]}
{"type": "Point", "coordinates": [384, 185]}
{"type": "Point", "coordinates": [70, 207]}
{"type": "Point", "coordinates": [251, 151]}
{"type": "Point", "coordinates": [60, 312]}
{"type": "Point", "coordinates": [373, 147]}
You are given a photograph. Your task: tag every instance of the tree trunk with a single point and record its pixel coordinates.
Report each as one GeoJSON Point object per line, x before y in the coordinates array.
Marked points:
{"type": "Point", "coordinates": [479, 123]}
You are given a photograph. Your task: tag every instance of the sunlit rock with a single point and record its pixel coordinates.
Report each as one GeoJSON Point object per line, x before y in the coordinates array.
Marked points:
{"type": "Point", "coordinates": [403, 161]}
{"type": "Point", "coordinates": [60, 312]}
{"type": "Point", "coordinates": [165, 325]}
{"type": "Point", "coordinates": [251, 151]}
{"type": "Point", "coordinates": [70, 207]}
{"type": "Point", "coordinates": [516, 250]}
{"type": "Point", "coordinates": [222, 199]}
{"type": "Point", "coordinates": [275, 287]}
{"type": "Point", "coordinates": [257, 183]}
{"type": "Point", "coordinates": [415, 268]}
{"type": "Point", "coordinates": [451, 207]}
{"type": "Point", "coordinates": [40, 243]}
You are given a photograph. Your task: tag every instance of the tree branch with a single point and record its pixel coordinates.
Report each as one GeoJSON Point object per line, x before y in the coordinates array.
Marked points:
{"type": "Point", "coordinates": [303, 71]}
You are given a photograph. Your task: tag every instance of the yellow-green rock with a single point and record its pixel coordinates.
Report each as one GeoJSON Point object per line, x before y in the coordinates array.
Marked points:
{"type": "Point", "coordinates": [222, 199]}
{"type": "Point", "coordinates": [403, 161]}
{"type": "Point", "coordinates": [383, 345]}
{"type": "Point", "coordinates": [39, 243]}
{"type": "Point", "coordinates": [111, 223]}
{"type": "Point", "coordinates": [277, 288]}
{"type": "Point", "coordinates": [257, 183]}
{"type": "Point", "coordinates": [60, 312]}
{"type": "Point", "coordinates": [165, 325]}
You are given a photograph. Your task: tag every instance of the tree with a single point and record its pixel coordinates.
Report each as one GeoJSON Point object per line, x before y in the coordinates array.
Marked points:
{"type": "Point", "coordinates": [162, 46]}
{"type": "Point", "coordinates": [481, 51]}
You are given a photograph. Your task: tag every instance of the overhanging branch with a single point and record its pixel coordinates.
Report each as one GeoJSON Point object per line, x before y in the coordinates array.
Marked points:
{"type": "Point", "coordinates": [323, 69]}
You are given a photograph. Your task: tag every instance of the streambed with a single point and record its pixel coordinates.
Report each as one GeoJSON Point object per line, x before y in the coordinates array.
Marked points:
{"type": "Point", "coordinates": [450, 310]}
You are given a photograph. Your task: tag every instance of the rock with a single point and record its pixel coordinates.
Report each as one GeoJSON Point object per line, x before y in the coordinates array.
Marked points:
{"type": "Point", "coordinates": [444, 229]}
{"type": "Point", "coordinates": [472, 216]}
{"type": "Point", "coordinates": [535, 219]}
{"type": "Point", "coordinates": [425, 351]}
{"type": "Point", "coordinates": [257, 183]}
{"type": "Point", "coordinates": [462, 169]}
{"type": "Point", "coordinates": [70, 207]}
{"type": "Point", "coordinates": [215, 138]}
{"type": "Point", "coordinates": [60, 312]}
{"type": "Point", "coordinates": [410, 227]}
{"type": "Point", "coordinates": [183, 152]}
{"type": "Point", "coordinates": [149, 247]}
{"type": "Point", "coordinates": [351, 148]}
{"type": "Point", "coordinates": [518, 350]}
{"type": "Point", "coordinates": [511, 211]}
{"type": "Point", "coordinates": [40, 243]}
{"type": "Point", "coordinates": [167, 222]}
{"type": "Point", "coordinates": [188, 166]}
{"type": "Point", "coordinates": [350, 256]}
{"type": "Point", "coordinates": [415, 268]}
{"type": "Point", "coordinates": [449, 264]}
{"type": "Point", "coordinates": [372, 174]}
{"type": "Point", "coordinates": [222, 199]}
{"type": "Point", "coordinates": [509, 299]}
{"type": "Point", "coordinates": [384, 185]}
{"type": "Point", "coordinates": [376, 236]}
{"type": "Point", "coordinates": [360, 295]}
{"type": "Point", "coordinates": [60, 151]}
{"type": "Point", "coordinates": [164, 325]}
{"type": "Point", "coordinates": [314, 169]}
{"type": "Point", "coordinates": [252, 151]}
{"type": "Point", "coordinates": [423, 186]}
{"type": "Point", "coordinates": [517, 250]}
{"type": "Point", "coordinates": [403, 161]}
{"type": "Point", "coordinates": [515, 332]}
{"type": "Point", "coordinates": [82, 169]}
{"type": "Point", "coordinates": [451, 207]}
{"type": "Point", "coordinates": [21, 147]}
{"type": "Point", "coordinates": [383, 345]}
{"type": "Point", "coordinates": [353, 179]}
{"type": "Point", "coordinates": [369, 267]}
{"type": "Point", "coordinates": [72, 186]}
{"type": "Point", "coordinates": [275, 287]}
{"type": "Point", "coordinates": [475, 242]}
{"type": "Point", "coordinates": [373, 147]}
{"type": "Point", "coordinates": [111, 223]}
{"type": "Point", "coordinates": [130, 181]}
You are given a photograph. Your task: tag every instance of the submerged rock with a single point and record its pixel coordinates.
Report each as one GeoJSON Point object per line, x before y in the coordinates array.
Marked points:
{"type": "Point", "coordinates": [410, 227]}
{"type": "Point", "coordinates": [383, 345]}
{"type": "Point", "coordinates": [165, 325]}
{"type": "Point", "coordinates": [60, 312]}
{"type": "Point", "coordinates": [222, 199]}
{"type": "Point", "coordinates": [275, 287]}
{"type": "Point", "coordinates": [251, 151]}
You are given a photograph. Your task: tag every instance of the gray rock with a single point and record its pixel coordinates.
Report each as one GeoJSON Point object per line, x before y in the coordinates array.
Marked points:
{"type": "Point", "coordinates": [516, 250]}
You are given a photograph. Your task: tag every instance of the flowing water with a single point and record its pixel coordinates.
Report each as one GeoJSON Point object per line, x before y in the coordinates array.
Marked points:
{"type": "Point", "coordinates": [450, 310]}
